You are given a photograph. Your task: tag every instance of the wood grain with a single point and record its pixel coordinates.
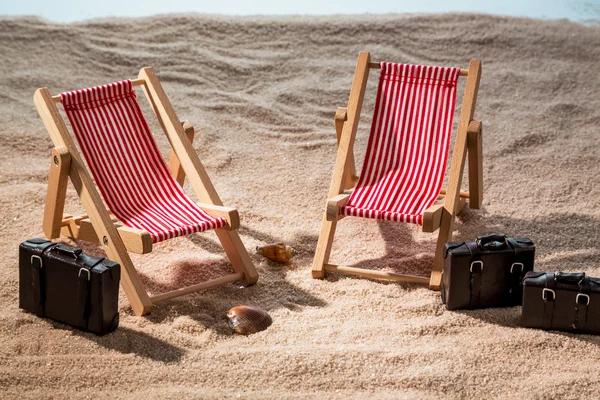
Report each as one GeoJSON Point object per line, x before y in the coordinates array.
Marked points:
{"type": "Point", "coordinates": [173, 163]}
{"type": "Point", "coordinates": [58, 178]}
{"type": "Point", "coordinates": [334, 205]}
{"type": "Point", "coordinates": [373, 274]}
{"type": "Point", "coordinates": [475, 153]}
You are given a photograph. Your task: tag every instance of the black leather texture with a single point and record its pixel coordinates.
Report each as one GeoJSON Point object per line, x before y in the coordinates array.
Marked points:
{"type": "Point", "coordinates": [486, 272]}
{"type": "Point", "coordinates": [563, 301]}
{"type": "Point", "coordinates": [60, 282]}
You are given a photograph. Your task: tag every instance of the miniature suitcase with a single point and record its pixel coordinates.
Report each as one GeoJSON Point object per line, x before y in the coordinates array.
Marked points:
{"type": "Point", "coordinates": [562, 301]}
{"type": "Point", "coordinates": [62, 283]}
{"type": "Point", "coordinates": [487, 272]}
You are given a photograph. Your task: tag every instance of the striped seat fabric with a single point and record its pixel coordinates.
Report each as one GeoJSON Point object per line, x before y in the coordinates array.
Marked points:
{"type": "Point", "coordinates": [127, 166]}
{"type": "Point", "coordinates": [406, 156]}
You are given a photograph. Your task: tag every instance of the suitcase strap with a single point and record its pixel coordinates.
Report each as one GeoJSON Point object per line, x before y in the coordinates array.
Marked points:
{"type": "Point", "coordinates": [517, 272]}
{"type": "Point", "coordinates": [37, 276]}
{"type": "Point", "coordinates": [549, 297]}
{"type": "Point", "coordinates": [83, 295]}
{"type": "Point", "coordinates": [36, 285]}
{"type": "Point", "coordinates": [582, 301]}
{"type": "Point", "coordinates": [476, 270]}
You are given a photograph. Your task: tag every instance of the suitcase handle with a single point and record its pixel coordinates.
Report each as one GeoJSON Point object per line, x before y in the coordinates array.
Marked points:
{"type": "Point", "coordinates": [493, 241]}
{"type": "Point", "coordinates": [75, 252]}
{"type": "Point", "coordinates": [570, 278]}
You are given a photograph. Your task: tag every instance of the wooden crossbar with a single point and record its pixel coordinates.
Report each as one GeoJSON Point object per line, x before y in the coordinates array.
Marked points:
{"type": "Point", "coordinates": [134, 82]}
{"type": "Point", "coordinates": [464, 195]}
{"type": "Point", "coordinates": [375, 65]}
{"type": "Point", "coordinates": [367, 273]}
{"type": "Point", "coordinates": [238, 276]}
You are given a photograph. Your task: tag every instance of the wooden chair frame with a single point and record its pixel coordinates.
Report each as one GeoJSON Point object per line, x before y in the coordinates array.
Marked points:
{"type": "Point", "coordinates": [98, 226]}
{"type": "Point", "coordinates": [450, 201]}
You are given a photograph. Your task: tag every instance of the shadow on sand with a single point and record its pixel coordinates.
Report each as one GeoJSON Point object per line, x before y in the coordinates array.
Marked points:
{"type": "Point", "coordinates": [129, 341]}
{"type": "Point", "coordinates": [558, 237]}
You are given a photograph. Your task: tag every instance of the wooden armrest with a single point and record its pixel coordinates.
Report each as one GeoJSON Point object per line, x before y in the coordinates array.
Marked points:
{"type": "Point", "coordinates": [432, 217]}
{"type": "Point", "coordinates": [80, 228]}
{"type": "Point", "coordinates": [341, 114]}
{"type": "Point", "coordinates": [231, 215]}
{"type": "Point", "coordinates": [188, 128]}
{"type": "Point", "coordinates": [334, 204]}
{"type": "Point", "coordinates": [474, 126]}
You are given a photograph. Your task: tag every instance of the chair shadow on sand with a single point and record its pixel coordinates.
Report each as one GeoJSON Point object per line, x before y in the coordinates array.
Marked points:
{"type": "Point", "coordinates": [403, 255]}
{"type": "Point", "coordinates": [553, 233]}
{"type": "Point", "coordinates": [271, 292]}
{"type": "Point", "coordinates": [208, 308]}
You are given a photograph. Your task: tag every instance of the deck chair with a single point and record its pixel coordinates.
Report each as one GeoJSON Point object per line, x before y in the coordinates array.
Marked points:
{"type": "Point", "coordinates": [144, 195]}
{"type": "Point", "coordinates": [405, 162]}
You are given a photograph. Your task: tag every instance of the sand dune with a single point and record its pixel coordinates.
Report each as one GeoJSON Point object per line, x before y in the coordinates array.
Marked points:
{"type": "Point", "coordinates": [262, 94]}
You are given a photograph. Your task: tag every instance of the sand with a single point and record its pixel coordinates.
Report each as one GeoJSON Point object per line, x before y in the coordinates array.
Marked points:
{"type": "Point", "coordinates": [262, 93]}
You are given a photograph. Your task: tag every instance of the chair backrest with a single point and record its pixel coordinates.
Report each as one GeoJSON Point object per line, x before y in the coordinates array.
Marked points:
{"type": "Point", "coordinates": [407, 152]}
{"type": "Point", "coordinates": [126, 164]}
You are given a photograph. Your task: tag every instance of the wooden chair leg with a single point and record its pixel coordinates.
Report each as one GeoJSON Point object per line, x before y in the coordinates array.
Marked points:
{"type": "Point", "coordinates": [475, 152]}
{"type": "Point", "coordinates": [323, 250]}
{"type": "Point", "coordinates": [445, 235]}
{"type": "Point", "coordinates": [344, 160]}
{"type": "Point", "coordinates": [452, 198]}
{"type": "Point", "coordinates": [238, 255]}
{"type": "Point", "coordinates": [58, 178]}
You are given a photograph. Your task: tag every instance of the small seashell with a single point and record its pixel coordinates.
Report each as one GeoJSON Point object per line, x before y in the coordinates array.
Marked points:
{"type": "Point", "coordinates": [279, 252]}
{"type": "Point", "coordinates": [245, 320]}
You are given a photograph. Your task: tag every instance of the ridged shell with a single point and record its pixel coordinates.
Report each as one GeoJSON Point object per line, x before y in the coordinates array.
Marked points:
{"type": "Point", "coordinates": [245, 320]}
{"type": "Point", "coordinates": [278, 252]}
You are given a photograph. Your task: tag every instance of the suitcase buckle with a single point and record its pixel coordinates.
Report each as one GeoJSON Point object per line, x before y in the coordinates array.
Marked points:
{"type": "Point", "coordinates": [86, 270]}
{"type": "Point", "coordinates": [546, 290]}
{"type": "Point", "coordinates": [476, 262]}
{"type": "Point", "coordinates": [584, 296]}
{"type": "Point", "coordinates": [38, 258]}
{"type": "Point", "coordinates": [516, 264]}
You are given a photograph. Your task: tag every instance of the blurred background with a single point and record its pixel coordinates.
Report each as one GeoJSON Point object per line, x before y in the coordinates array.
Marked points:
{"type": "Point", "coordinates": [585, 11]}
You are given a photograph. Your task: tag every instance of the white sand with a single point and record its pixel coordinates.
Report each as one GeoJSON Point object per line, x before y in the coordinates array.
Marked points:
{"type": "Point", "coordinates": [262, 93]}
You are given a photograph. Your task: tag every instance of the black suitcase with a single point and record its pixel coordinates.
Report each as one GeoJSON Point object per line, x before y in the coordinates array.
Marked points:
{"type": "Point", "coordinates": [562, 301]}
{"type": "Point", "coordinates": [60, 282]}
{"type": "Point", "coordinates": [487, 272]}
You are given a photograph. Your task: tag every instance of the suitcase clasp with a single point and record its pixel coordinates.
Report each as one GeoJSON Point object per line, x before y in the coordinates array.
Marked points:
{"type": "Point", "coordinates": [516, 264]}
{"type": "Point", "coordinates": [34, 257]}
{"type": "Point", "coordinates": [476, 262]}
{"type": "Point", "coordinates": [546, 290]}
{"type": "Point", "coordinates": [584, 296]}
{"type": "Point", "coordinates": [86, 270]}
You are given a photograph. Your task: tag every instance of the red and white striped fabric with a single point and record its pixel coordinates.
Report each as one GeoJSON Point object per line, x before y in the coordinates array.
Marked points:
{"type": "Point", "coordinates": [406, 156]}
{"type": "Point", "coordinates": [127, 166]}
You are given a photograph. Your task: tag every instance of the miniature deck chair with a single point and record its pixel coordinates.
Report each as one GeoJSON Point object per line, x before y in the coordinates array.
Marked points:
{"type": "Point", "coordinates": [142, 192]}
{"type": "Point", "coordinates": [405, 161]}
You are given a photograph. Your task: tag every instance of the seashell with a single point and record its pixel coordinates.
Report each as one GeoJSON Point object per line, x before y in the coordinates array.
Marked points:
{"type": "Point", "coordinates": [279, 252]}
{"type": "Point", "coordinates": [245, 320]}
